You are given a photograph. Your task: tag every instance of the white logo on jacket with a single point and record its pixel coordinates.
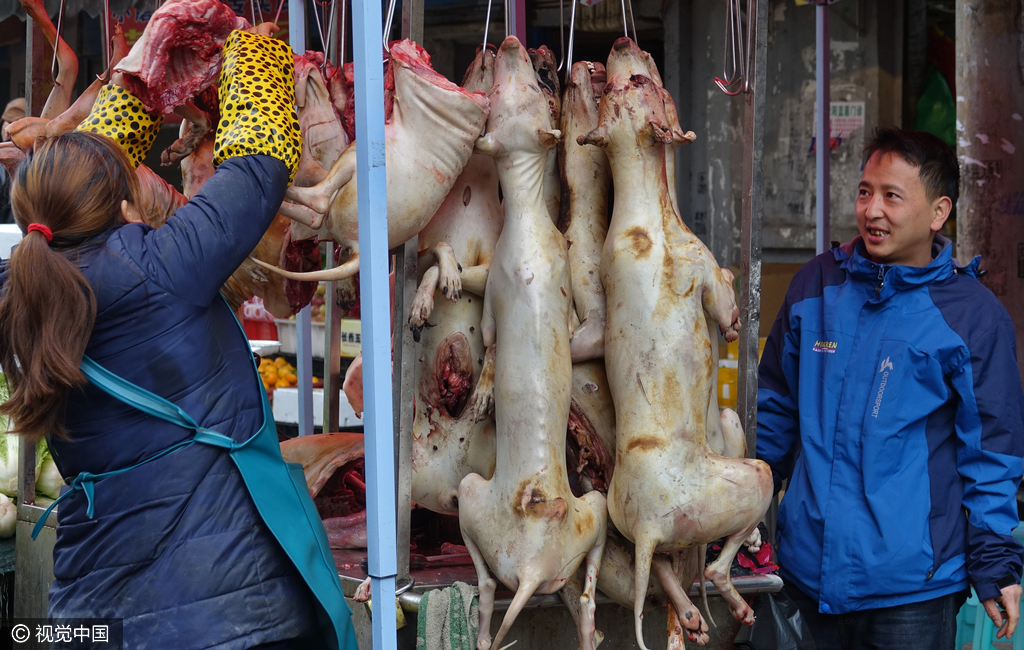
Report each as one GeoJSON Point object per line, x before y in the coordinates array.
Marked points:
{"type": "Point", "coordinates": [885, 368]}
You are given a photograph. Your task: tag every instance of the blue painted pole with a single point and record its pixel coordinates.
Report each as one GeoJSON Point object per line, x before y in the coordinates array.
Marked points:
{"type": "Point", "coordinates": [374, 289]}
{"type": "Point", "coordinates": [303, 326]}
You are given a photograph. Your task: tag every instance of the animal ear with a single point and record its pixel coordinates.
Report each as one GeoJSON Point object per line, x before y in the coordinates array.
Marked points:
{"type": "Point", "coordinates": [549, 138]}
{"type": "Point", "coordinates": [300, 86]}
{"type": "Point", "coordinates": [598, 137]}
{"type": "Point", "coordinates": [655, 133]}
{"type": "Point", "coordinates": [487, 145]}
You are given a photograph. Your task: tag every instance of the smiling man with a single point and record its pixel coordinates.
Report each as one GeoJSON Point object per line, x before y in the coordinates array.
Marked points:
{"type": "Point", "coordinates": [903, 444]}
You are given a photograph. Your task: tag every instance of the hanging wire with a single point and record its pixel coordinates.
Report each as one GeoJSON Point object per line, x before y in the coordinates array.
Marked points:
{"type": "Point", "coordinates": [257, 10]}
{"type": "Point", "coordinates": [105, 77]}
{"type": "Point", "coordinates": [56, 45]}
{"type": "Point", "coordinates": [318, 17]}
{"type": "Point", "coordinates": [625, 25]}
{"type": "Point", "coordinates": [277, 16]}
{"type": "Point", "coordinates": [751, 37]}
{"type": "Point", "coordinates": [387, 25]}
{"type": "Point", "coordinates": [572, 38]}
{"type": "Point", "coordinates": [487, 23]}
{"type": "Point", "coordinates": [731, 82]}
{"type": "Point", "coordinates": [341, 37]}
{"type": "Point", "coordinates": [561, 35]}
{"type": "Point", "coordinates": [332, 16]}
{"type": "Point", "coordinates": [632, 22]}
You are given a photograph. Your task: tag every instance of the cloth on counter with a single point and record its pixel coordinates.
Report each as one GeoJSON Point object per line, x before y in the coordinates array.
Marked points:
{"type": "Point", "coordinates": [448, 618]}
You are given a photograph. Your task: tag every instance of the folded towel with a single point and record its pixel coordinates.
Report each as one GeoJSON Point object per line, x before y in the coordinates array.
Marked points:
{"type": "Point", "coordinates": [448, 619]}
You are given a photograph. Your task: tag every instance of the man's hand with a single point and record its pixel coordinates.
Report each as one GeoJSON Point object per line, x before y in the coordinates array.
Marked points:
{"type": "Point", "coordinates": [1010, 602]}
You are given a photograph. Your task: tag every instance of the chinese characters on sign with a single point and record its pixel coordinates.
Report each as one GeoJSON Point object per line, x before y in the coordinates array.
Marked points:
{"type": "Point", "coordinates": [844, 119]}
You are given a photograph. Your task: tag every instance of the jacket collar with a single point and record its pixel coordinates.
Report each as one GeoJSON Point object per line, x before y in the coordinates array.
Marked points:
{"type": "Point", "coordinates": [889, 279]}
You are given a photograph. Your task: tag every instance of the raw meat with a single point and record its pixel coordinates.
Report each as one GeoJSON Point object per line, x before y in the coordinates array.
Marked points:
{"type": "Point", "coordinates": [179, 52]}
{"type": "Point", "coordinates": [670, 491]}
{"type": "Point", "coordinates": [524, 523]}
{"type": "Point", "coordinates": [448, 443]}
{"type": "Point", "coordinates": [430, 131]}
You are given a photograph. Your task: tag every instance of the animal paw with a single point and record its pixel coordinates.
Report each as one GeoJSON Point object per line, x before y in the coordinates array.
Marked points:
{"type": "Point", "coordinates": [744, 614]}
{"type": "Point", "coordinates": [483, 403]}
{"type": "Point", "coordinates": [422, 306]}
{"type": "Point", "coordinates": [450, 280]}
{"type": "Point", "coordinates": [753, 541]}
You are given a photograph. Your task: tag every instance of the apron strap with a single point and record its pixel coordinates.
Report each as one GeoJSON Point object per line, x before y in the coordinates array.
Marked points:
{"type": "Point", "coordinates": [146, 402]}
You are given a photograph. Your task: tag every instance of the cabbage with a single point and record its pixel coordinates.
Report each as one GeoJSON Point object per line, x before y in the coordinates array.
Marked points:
{"type": "Point", "coordinates": [8, 517]}
{"type": "Point", "coordinates": [48, 479]}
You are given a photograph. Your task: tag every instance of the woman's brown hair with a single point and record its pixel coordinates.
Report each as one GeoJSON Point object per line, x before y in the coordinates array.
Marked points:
{"type": "Point", "coordinates": [73, 184]}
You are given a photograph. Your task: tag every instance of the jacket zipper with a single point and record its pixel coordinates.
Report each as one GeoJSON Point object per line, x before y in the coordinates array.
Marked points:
{"type": "Point", "coordinates": [881, 279]}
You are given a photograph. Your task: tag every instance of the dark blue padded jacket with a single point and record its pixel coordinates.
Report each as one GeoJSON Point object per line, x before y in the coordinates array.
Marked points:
{"type": "Point", "coordinates": [890, 398]}
{"type": "Point", "coordinates": [176, 547]}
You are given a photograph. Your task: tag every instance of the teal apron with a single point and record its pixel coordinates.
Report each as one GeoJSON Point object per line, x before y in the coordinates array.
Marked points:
{"type": "Point", "coordinates": [278, 489]}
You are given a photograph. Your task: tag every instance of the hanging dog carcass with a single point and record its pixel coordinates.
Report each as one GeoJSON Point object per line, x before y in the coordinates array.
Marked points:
{"type": "Point", "coordinates": [458, 244]}
{"type": "Point", "coordinates": [524, 523]}
{"type": "Point", "coordinates": [669, 491]}
{"type": "Point", "coordinates": [431, 125]}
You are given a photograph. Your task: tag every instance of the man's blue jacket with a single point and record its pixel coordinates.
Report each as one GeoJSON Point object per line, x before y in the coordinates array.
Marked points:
{"type": "Point", "coordinates": [890, 398]}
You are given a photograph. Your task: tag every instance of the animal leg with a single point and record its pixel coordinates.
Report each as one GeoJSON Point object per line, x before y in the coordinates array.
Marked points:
{"type": "Point", "coordinates": [423, 303]}
{"type": "Point", "coordinates": [571, 594]}
{"type": "Point", "coordinates": [718, 573]}
{"type": "Point", "coordinates": [588, 340]}
{"type": "Point", "coordinates": [590, 637]}
{"type": "Point", "coordinates": [300, 213]}
{"type": "Point", "coordinates": [483, 396]}
{"type": "Point", "coordinates": [67, 63]}
{"type": "Point", "coordinates": [487, 585]}
{"type": "Point", "coordinates": [735, 441]}
{"type": "Point", "coordinates": [319, 196]}
{"type": "Point", "coordinates": [642, 575]}
{"type": "Point", "coordinates": [696, 627]}
{"type": "Point", "coordinates": [449, 268]}
{"type": "Point", "coordinates": [526, 589]}
{"type": "Point", "coordinates": [474, 278]}
{"type": "Point", "coordinates": [194, 127]}
{"type": "Point", "coordinates": [719, 301]}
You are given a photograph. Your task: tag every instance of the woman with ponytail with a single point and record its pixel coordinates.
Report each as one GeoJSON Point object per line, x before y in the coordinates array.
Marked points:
{"type": "Point", "coordinates": [180, 518]}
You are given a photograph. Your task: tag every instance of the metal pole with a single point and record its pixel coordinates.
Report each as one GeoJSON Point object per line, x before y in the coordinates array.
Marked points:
{"type": "Point", "coordinates": [332, 349]}
{"type": "Point", "coordinates": [753, 209]}
{"type": "Point", "coordinates": [297, 25]}
{"type": "Point", "coordinates": [371, 178]}
{"type": "Point", "coordinates": [406, 349]}
{"type": "Point", "coordinates": [822, 134]}
{"type": "Point", "coordinates": [303, 320]}
{"type": "Point", "coordinates": [515, 12]}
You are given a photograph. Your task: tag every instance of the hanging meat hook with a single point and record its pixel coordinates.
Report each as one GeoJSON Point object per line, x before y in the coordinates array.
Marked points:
{"type": "Point", "coordinates": [105, 77]}
{"type": "Point", "coordinates": [733, 34]}
{"type": "Point", "coordinates": [277, 16]}
{"type": "Point", "coordinates": [567, 61]}
{"type": "Point", "coordinates": [632, 22]}
{"type": "Point", "coordinates": [487, 23]}
{"type": "Point", "coordinates": [56, 45]}
{"type": "Point", "coordinates": [387, 25]}
{"type": "Point", "coordinates": [751, 43]}
{"type": "Point", "coordinates": [257, 10]}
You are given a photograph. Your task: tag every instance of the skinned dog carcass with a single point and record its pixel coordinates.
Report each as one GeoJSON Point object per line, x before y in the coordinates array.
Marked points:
{"type": "Point", "coordinates": [670, 491]}
{"type": "Point", "coordinates": [431, 125]}
{"type": "Point", "coordinates": [448, 441]}
{"type": "Point", "coordinates": [524, 523]}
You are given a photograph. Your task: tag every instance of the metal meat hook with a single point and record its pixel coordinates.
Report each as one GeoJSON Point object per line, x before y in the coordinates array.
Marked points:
{"type": "Point", "coordinates": [387, 25]}
{"type": "Point", "coordinates": [56, 45]}
{"type": "Point", "coordinates": [733, 34]}
{"type": "Point", "coordinates": [487, 23]}
{"type": "Point", "coordinates": [567, 60]}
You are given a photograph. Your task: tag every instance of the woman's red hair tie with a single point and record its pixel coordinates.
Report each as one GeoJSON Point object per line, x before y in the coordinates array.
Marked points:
{"type": "Point", "coordinates": [38, 227]}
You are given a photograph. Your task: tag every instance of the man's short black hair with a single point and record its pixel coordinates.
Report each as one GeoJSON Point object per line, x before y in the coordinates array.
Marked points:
{"type": "Point", "coordinates": [936, 161]}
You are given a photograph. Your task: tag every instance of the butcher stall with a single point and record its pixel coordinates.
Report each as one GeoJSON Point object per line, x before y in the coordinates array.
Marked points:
{"type": "Point", "coordinates": [510, 311]}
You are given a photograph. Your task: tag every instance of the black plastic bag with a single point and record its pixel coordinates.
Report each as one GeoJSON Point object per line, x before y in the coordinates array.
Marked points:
{"type": "Point", "coordinates": [778, 625]}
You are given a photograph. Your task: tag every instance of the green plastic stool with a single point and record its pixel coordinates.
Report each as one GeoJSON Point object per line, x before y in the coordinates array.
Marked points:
{"type": "Point", "coordinates": [973, 624]}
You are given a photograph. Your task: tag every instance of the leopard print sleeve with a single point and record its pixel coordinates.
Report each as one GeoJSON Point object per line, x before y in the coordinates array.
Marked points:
{"type": "Point", "coordinates": [120, 116]}
{"type": "Point", "coordinates": [257, 101]}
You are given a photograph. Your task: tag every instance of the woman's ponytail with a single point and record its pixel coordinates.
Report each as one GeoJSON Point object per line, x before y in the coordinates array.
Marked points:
{"type": "Point", "coordinates": [69, 190]}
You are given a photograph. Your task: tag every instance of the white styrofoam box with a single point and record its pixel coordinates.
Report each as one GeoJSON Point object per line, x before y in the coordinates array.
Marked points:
{"type": "Point", "coordinates": [351, 338]}
{"type": "Point", "coordinates": [10, 234]}
{"type": "Point", "coordinates": [286, 408]}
